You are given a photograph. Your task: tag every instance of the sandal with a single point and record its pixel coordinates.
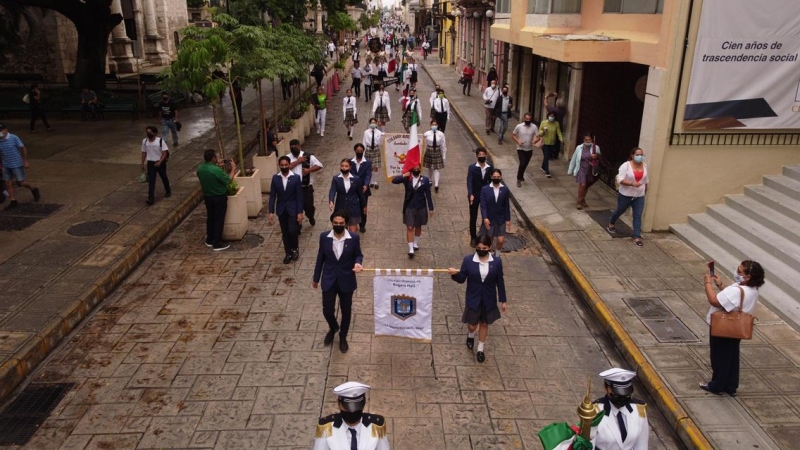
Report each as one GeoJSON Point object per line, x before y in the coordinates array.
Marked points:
{"type": "Point", "coordinates": [638, 242]}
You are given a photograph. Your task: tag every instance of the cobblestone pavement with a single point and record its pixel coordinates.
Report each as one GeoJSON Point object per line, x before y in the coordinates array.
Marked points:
{"type": "Point", "coordinates": [224, 350]}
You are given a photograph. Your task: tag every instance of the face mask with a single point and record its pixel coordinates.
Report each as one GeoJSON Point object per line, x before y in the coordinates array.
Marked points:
{"type": "Point", "coordinates": [359, 155]}
{"type": "Point", "coordinates": [351, 417]}
{"type": "Point", "coordinates": [481, 159]}
{"type": "Point", "coordinates": [527, 123]}
{"type": "Point", "coordinates": [373, 125]}
{"type": "Point", "coordinates": [295, 151]}
{"type": "Point", "coordinates": [151, 135]}
{"type": "Point", "coordinates": [619, 400]}
{"type": "Point", "coordinates": [550, 119]}
{"type": "Point", "coordinates": [441, 95]}
{"type": "Point", "coordinates": [285, 170]}
{"type": "Point", "coordinates": [338, 229]}
{"type": "Point", "coordinates": [345, 171]}
{"type": "Point", "coordinates": [638, 158]}
{"type": "Point", "coordinates": [497, 181]}
{"type": "Point", "coordinates": [415, 173]}
{"type": "Point", "coordinates": [434, 127]}
{"type": "Point", "coordinates": [482, 253]}
{"type": "Point", "coordinates": [738, 278]}
{"type": "Point", "coordinates": [494, 86]}
{"type": "Point", "coordinates": [587, 144]}
{"type": "Point", "coordinates": [505, 92]}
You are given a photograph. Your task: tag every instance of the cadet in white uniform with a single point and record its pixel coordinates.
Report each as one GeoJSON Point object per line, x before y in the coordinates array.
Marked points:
{"type": "Point", "coordinates": [351, 428]}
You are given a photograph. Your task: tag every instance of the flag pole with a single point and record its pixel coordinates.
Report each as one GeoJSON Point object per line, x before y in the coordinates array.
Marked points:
{"type": "Point", "coordinates": [402, 271]}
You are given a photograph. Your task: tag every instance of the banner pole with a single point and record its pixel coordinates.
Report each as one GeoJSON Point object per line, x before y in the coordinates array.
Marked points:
{"type": "Point", "coordinates": [404, 270]}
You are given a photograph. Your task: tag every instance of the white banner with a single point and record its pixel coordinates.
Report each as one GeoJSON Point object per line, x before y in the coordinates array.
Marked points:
{"type": "Point", "coordinates": [395, 146]}
{"type": "Point", "coordinates": [746, 72]}
{"type": "Point", "coordinates": [403, 303]}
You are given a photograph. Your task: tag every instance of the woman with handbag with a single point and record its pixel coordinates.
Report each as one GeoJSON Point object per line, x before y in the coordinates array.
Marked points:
{"type": "Point", "coordinates": [741, 296]}
{"type": "Point", "coordinates": [584, 165]}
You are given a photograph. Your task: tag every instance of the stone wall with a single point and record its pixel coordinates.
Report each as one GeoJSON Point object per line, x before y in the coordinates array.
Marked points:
{"type": "Point", "coordinates": [38, 48]}
{"type": "Point", "coordinates": [173, 15]}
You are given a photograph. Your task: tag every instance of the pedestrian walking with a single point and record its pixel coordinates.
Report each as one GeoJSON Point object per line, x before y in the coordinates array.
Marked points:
{"type": "Point", "coordinates": [286, 88]}
{"type": "Point", "coordinates": [382, 108]}
{"type": "Point", "coordinates": [238, 98]}
{"type": "Point", "coordinates": [350, 112]}
{"type": "Point", "coordinates": [331, 49]}
{"type": "Point", "coordinates": [435, 153]}
{"type": "Point", "coordinates": [485, 286]}
{"type": "Point", "coordinates": [14, 157]}
{"type": "Point", "coordinates": [440, 108]}
{"type": "Point", "coordinates": [526, 135]}
{"type": "Point", "coordinates": [320, 104]}
{"type": "Point", "coordinates": [552, 138]}
{"type": "Point", "coordinates": [214, 184]}
{"type": "Point", "coordinates": [584, 165]}
{"type": "Point", "coordinates": [410, 105]}
{"type": "Point", "coordinates": [490, 96]}
{"type": "Point", "coordinates": [347, 194]}
{"type": "Point", "coordinates": [632, 179]}
{"type": "Point", "coordinates": [319, 72]}
{"type": "Point", "coordinates": [502, 110]}
{"type": "Point", "coordinates": [491, 75]}
{"type": "Point", "coordinates": [478, 176]}
{"type": "Point", "coordinates": [496, 210]}
{"type": "Point", "coordinates": [417, 205]}
{"type": "Point", "coordinates": [339, 259]}
{"type": "Point", "coordinates": [366, 76]}
{"type": "Point", "coordinates": [305, 164]}
{"type": "Point", "coordinates": [373, 139]}
{"type": "Point", "coordinates": [362, 168]}
{"type": "Point", "coordinates": [741, 295]}
{"type": "Point", "coordinates": [351, 428]}
{"type": "Point", "coordinates": [286, 200]}
{"type": "Point", "coordinates": [90, 104]}
{"type": "Point", "coordinates": [169, 118]}
{"type": "Point", "coordinates": [466, 76]}
{"type": "Point", "coordinates": [155, 155]}
{"type": "Point", "coordinates": [426, 49]}
{"type": "Point", "coordinates": [355, 72]}
{"type": "Point", "coordinates": [35, 104]}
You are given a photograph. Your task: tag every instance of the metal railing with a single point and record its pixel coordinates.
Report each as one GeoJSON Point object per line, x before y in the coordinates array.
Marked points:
{"type": "Point", "coordinates": [735, 139]}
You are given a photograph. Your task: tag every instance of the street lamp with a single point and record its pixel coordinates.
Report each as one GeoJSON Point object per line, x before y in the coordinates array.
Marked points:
{"type": "Point", "coordinates": [489, 13]}
{"type": "Point", "coordinates": [477, 14]}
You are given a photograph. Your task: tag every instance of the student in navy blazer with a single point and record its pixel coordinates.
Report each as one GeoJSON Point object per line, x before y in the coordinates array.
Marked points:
{"type": "Point", "coordinates": [477, 177]}
{"type": "Point", "coordinates": [417, 198]}
{"type": "Point", "coordinates": [362, 168]}
{"type": "Point", "coordinates": [484, 276]}
{"type": "Point", "coordinates": [338, 261]}
{"type": "Point", "coordinates": [286, 200]}
{"type": "Point", "coordinates": [496, 210]}
{"type": "Point", "coordinates": [347, 194]}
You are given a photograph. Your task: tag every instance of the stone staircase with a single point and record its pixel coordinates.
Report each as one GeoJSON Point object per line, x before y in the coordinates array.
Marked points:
{"type": "Point", "coordinates": [763, 224]}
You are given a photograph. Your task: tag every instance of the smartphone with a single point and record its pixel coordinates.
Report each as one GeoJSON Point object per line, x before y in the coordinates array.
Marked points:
{"type": "Point", "coordinates": [710, 265]}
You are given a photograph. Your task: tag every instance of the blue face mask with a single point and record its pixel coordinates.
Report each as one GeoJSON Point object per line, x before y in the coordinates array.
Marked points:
{"type": "Point", "coordinates": [550, 119]}
{"type": "Point", "coordinates": [638, 158]}
{"type": "Point", "coordinates": [373, 126]}
{"type": "Point", "coordinates": [434, 127]}
{"type": "Point", "coordinates": [738, 278]}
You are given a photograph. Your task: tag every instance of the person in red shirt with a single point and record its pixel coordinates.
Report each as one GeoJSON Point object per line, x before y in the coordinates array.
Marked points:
{"type": "Point", "coordinates": [467, 74]}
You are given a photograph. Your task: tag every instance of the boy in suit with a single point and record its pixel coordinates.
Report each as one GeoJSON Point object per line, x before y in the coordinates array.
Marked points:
{"type": "Point", "coordinates": [477, 177]}
{"type": "Point", "coordinates": [417, 197]}
{"type": "Point", "coordinates": [286, 200]}
{"type": "Point", "coordinates": [362, 168]}
{"type": "Point", "coordinates": [496, 210]}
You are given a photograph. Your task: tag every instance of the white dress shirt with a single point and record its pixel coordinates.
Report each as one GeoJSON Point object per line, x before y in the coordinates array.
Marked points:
{"type": "Point", "coordinates": [298, 169]}
{"type": "Point", "coordinates": [483, 266]}
{"type": "Point", "coordinates": [372, 136]}
{"type": "Point", "coordinates": [382, 99]}
{"type": "Point", "coordinates": [285, 179]}
{"type": "Point", "coordinates": [338, 244]}
{"type": "Point", "coordinates": [496, 191]}
{"type": "Point", "coordinates": [346, 181]}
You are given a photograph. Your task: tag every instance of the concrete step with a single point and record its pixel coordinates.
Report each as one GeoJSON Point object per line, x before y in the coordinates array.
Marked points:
{"type": "Point", "coordinates": [792, 171]}
{"type": "Point", "coordinates": [783, 302]}
{"type": "Point", "coordinates": [766, 216]}
{"type": "Point", "coordinates": [785, 185]}
{"type": "Point", "coordinates": [753, 231]}
{"type": "Point", "coordinates": [775, 200]}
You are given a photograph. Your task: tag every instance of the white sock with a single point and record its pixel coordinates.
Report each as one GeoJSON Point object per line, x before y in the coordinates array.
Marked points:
{"type": "Point", "coordinates": [410, 247]}
{"type": "Point", "coordinates": [436, 178]}
{"type": "Point", "coordinates": [497, 253]}
{"type": "Point", "coordinates": [416, 241]}
{"type": "Point", "coordinates": [480, 346]}
{"type": "Point", "coordinates": [430, 173]}
{"type": "Point", "coordinates": [471, 334]}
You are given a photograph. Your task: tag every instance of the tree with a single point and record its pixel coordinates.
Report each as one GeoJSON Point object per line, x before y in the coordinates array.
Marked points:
{"type": "Point", "coordinates": [340, 21]}
{"type": "Point", "coordinates": [93, 21]}
{"type": "Point", "coordinates": [369, 19]}
{"type": "Point", "coordinates": [333, 6]}
{"type": "Point", "coordinates": [196, 3]}
{"type": "Point", "coordinates": [250, 12]}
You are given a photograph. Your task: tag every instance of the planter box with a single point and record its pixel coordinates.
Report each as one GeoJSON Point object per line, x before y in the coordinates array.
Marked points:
{"type": "Point", "coordinates": [267, 166]}
{"type": "Point", "coordinates": [309, 118]}
{"type": "Point", "coordinates": [283, 145]}
{"type": "Point", "coordinates": [252, 192]}
{"type": "Point", "coordinates": [236, 217]}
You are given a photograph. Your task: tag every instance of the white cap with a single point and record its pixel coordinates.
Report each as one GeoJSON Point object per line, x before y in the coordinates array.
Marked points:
{"type": "Point", "coordinates": [351, 389]}
{"type": "Point", "coordinates": [619, 380]}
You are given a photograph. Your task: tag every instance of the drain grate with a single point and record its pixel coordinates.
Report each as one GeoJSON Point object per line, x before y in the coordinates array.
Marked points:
{"type": "Point", "coordinates": [660, 320]}
{"type": "Point", "coordinates": [92, 228]}
{"type": "Point", "coordinates": [649, 308]}
{"type": "Point", "coordinates": [20, 420]}
{"type": "Point", "coordinates": [25, 215]}
{"type": "Point", "coordinates": [513, 243]}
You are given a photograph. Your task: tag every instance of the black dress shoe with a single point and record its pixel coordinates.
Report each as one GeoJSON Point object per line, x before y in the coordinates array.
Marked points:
{"type": "Point", "coordinates": [436, 189]}
{"type": "Point", "coordinates": [295, 254]}
{"type": "Point", "coordinates": [329, 336]}
{"type": "Point", "coordinates": [470, 343]}
{"type": "Point", "coordinates": [287, 259]}
{"type": "Point", "coordinates": [410, 255]}
{"type": "Point", "coordinates": [362, 229]}
{"type": "Point", "coordinates": [343, 345]}
{"type": "Point", "coordinates": [473, 242]}
{"type": "Point", "coordinates": [312, 221]}
{"type": "Point", "coordinates": [481, 357]}
{"type": "Point", "coordinates": [705, 387]}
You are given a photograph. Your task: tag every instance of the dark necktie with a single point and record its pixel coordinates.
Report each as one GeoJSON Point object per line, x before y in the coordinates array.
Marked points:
{"type": "Point", "coordinates": [373, 139]}
{"type": "Point", "coordinates": [623, 431]}
{"type": "Point", "coordinates": [434, 139]}
{"type": "Point", "coordinates": [353, 441]}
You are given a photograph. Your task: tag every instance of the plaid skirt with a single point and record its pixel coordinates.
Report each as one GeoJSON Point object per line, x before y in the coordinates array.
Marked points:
{"type": "Point", "coordinates": [373, 155]}
{"type": "Point", "coordinates": [407, 118]}
{"type": "Point", "coordinates": [433, 158]}
{"type": "Point", "coordinates": [350, 118]}
{"type": "Point", "coordinates": [382, 114]}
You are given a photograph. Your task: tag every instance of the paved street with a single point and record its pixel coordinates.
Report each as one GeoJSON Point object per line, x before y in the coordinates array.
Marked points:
{"type": "Point", "coordinates": [224, 350]}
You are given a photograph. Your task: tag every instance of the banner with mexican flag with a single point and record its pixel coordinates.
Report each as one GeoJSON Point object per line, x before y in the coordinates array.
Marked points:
{"type": "Point", "coordinates": [401, 151]}
{"type": "Point", "coordinates": [561, 435]}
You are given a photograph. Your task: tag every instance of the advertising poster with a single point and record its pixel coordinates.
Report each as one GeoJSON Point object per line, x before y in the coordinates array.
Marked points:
{"type": "Point", "coordinates": [403, 304]}
{"type": "Point", "coordinates": [395, 146]}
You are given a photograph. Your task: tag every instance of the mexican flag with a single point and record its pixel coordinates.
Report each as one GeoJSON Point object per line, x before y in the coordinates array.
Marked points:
{"type": "Point", "coordinates": [560, 435]}
{"type": "Point", "coordinates": [412, 155]}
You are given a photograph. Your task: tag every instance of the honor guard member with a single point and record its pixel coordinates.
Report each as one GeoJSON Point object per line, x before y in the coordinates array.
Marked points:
{"type": "Point", "coordinates": [351, 428]}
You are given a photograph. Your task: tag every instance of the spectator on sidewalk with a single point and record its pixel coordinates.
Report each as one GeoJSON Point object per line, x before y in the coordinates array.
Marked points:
{"type": "Point", "coordinates": [478, 176]}
{"type": "Point", "coordinates": [417, 205]}
{"type": "Point", "coordinates": [347, 194]}
{"type": "Point", "coordinates": [14, 157]}
{"type": "Point", "coordinates": [502, 109]}
{"type": "Point", "coordinates": [552, 136]}
{"type": "Point", "coordinates": [90, 104]}
{"type": "Point", "coordinates": [496, 210]}
{"type": "Point", "coordinates": [319, 72]}
{"type": "Point", "coordinates": [286, 200]}
{"type": "Point", "coordinates": [584, 167]}
{"type": "Point", "coordinates": [632, 179]}
{"type": "Point", "coordinates": [467, 74]}
{"type": "Point", "coordinates": [525, 135]}
{"type": "Point", "coordinates": [490, 96]}
{"type": "Point", "coordinates": [381, 108]}
{"type": "Point", "coordinates": [35, 104]}
{"type": "Point", "coordinates": [331, 49]}
{"type": "Point", "coordinates": [236, 92]}
{"type": "Point", "coordinates": [155, 155]}
{"type": "Point", "coordinates": [373, 138]}
{"type": "Point", "coordinates": [560, 110]}
{"type": "Point", "coordinates": [214, 184]}
{"type": "Point", "coordinates": [320, 104]}
{"type": "Point", "coordinates": [491, 75]}
{"type": "Point", "coordinates": [286, 88]}
{"type": "Point", "coordinates": [304, 165]}
{"type": "Point", "coordinates": [272, 140]}
{"type": "Point", "coordinates": [362, 168]}
{"type": "Point", "coordinates": [169, 118]}
{"type": "Point", "coordinates": [435, 153]}
{"type": "Point", "coordinates": [484, 276]}
{"type": "Point", "coordinates": [440, 108]}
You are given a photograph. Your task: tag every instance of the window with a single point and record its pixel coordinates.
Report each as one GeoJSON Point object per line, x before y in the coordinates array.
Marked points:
{"type": "Point", "coordinates": [554, 6]}
{"type": "Point", "coordinates": [503, 6]}
{"type": "Point", "coordinates": [634, 6]}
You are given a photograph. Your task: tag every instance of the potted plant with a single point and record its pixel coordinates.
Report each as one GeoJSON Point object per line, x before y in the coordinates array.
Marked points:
{"type": "Point", "coordinates": [298, 115]}
{"type": "Point", "coordinates": [236, 216]}
{"type": "Point", "coordinates": [250, 180]}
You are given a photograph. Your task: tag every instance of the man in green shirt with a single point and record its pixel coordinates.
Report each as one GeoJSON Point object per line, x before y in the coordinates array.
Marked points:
{"type": "Point", "coordinates": [550, 130]}
{"type": "Point", "coordinates": [214, 183]}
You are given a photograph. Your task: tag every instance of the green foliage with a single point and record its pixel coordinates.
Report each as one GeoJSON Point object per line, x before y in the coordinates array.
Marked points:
{"type": "Point", "coordinates": [369, 19]}
{"type": "Point", "coordinates": [333, 6]}
{"type": "Point", "coordinates": [341, 21]}
{"type": "Point", "coordinates": [232, 188]}
{"type": "Point", "coordinates": [196, 3]}
{"type": "Point", "coordinates": [286, 125]}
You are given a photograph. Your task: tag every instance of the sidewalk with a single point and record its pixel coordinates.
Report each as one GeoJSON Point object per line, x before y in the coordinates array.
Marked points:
{"type": "Point", "coordinates": [52, 275]}
{"type": "Point", "coordinates": [665, 338]}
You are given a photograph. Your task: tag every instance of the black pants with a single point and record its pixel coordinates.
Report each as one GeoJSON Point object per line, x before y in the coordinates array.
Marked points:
{"type": "Point", "coordinates": [473, 216]}
{"type": "Point", "coordinates": [724, 364]}
{"type": "Point", "coordinates": [290, 232]}
{"type": "Point", "coordinates": [367, 92]}
{"type": "Point", "coordinates": [318, 79]}
{"type": "Point", "coordinates": [524, 159]}
{"type": "Point", "coordinates": [467, 87]}
{"type": "Point", "coordinates": [286, 89]}
{"type": "Point", "coordinates": [216, 207]}
{"type": "Point", "coordinates": [329, 308]}
{"type": "Point", "coordinates": [363, 223]}
{"type": "Point", "coordinates": [151, 178]}
{"type": "Point", "coordinates": [38, 113]}
{"type": "Point", "coordinates": [441, 120]}
{"type": "Point", "coordinates": [356, 87]}
{"type": "Point", "coordinates": [308, 202]}
{"type": "Point", "coordinates": [547, 153]}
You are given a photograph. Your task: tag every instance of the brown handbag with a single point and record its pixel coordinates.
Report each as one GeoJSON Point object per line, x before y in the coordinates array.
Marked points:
{"type": "Point", "coordinates": [734, 324]}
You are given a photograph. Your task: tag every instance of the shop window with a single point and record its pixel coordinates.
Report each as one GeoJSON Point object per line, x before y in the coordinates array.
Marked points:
{"type": "Point", "coordinates": [503, 6]}
{"type": "Point", "coordinates": [554, 6]}
{"type": "Point", "coordinates": [634, 6]}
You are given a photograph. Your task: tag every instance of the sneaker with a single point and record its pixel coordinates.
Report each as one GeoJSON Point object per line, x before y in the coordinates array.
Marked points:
{"type": "Point", "coordinates": [221, 247]}
{"type": "Point", "coordinates": [209, 244]}
{"type": "Point", "coordinates": [36, 194]}
{"type": "Point", "coordinates": [547, 175]}
{"type": "Point", "coordinates": [12, 205]}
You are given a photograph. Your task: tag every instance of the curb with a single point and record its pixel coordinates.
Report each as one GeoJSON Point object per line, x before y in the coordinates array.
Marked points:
{"type": "Point", "coordinates": [682, 424]}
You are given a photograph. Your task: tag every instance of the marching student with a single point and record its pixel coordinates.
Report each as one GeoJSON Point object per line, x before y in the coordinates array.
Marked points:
{"type": "Point", "coordinates": [496, 210]}
{"type": "Point", "coordinates": [440, 108]}
{"type": "Point", "coordinates": [350, 112]}
{"type": "Point", "coordinates": [410, 104]}
{"type": "Point", "coordinates": [381, 107]}
{"type": "Point", "coordinates": [435, 153]}
{"type": "Point", "coordinates": [417, 205]}
{"type": "Point", "coordinates": [347, 194]}
{"type": "Point", "coordinates": [478, 175]}
{"type": "Point", "coordinates": [286, 200]}
{"type": "Point", "coordinates": [373, 138]}
{"type": "Point", "coordinates": [362, 168]}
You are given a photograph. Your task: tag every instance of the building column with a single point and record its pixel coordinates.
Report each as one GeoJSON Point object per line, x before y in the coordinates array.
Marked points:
{"type": "Point", "coordinates": [318, 18]}
{"type": "Point", "coordinates": [153, 49]}
{"type": "Point", "coordinates": [573, 110]}
{"type": "Point", "coordinates": [121, 57]}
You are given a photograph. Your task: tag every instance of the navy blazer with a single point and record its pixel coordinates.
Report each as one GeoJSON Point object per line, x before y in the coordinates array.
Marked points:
{"type": "Point", "coordinates": [352, 201]}
{"type": "Point", "coordinates": [333, 270]}
{"type": "Point", "coordinates": [364, 172]}
{"type": "Point", "coordinates": [418, 197]}
{"type": "Point", "coordinates": [289, 200]}
{"type": "Point", "coordinates": [496, 210]}
{"type": "Point", "coordinates": [476, 181]}
{"type": "Point", "coordinates": [482, 291]}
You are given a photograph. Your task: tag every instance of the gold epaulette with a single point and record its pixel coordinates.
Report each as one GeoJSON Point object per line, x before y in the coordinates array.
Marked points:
{"type": "Point", "coordinates": [378, 431]}
{"type": "Point", "coordinates": [325, 430]}
{"type": "Point", "coordinates": [642, 410]}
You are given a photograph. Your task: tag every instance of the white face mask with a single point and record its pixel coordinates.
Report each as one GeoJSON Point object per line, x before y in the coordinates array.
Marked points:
{"type": "Point", "coordinates": [738, 278]}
